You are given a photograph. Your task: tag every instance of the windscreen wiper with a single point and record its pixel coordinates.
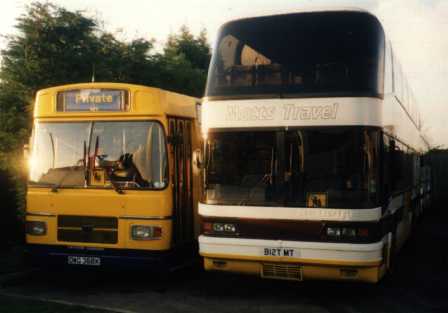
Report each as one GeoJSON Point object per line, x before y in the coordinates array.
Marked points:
{"type": "Point", "coordinates": [56, 186]}
{"type": "Point", "coordinates": [116, 187]}
{"type": "Point", "coordinates": [52, 148]}
{"type": "Point", "coordinates": [266, 179]}
{"type": "Point", "coordinates": [84, 164]}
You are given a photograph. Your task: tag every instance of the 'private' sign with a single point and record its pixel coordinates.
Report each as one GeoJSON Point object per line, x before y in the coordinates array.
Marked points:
{"type": "Point", "coordinates": [92, 100]}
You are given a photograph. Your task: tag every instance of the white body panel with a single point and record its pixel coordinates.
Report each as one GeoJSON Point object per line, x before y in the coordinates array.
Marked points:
{"type": "Point", "coordinates": [387, 113]}
{"type": "Point", "coordinates": [237, 247]}
{"type": "Point", "coordinates": [256, 113]}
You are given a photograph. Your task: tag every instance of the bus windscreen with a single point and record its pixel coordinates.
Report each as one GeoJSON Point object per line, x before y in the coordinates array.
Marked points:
{"type": "Point", "coordinates": [101, 154]}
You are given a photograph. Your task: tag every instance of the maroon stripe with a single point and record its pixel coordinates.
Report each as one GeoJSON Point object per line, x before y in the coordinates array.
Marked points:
{"type": "Point", "coordinates": [290, 230]}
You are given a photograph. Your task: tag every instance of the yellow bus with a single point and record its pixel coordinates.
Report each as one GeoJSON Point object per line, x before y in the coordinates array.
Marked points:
{"type": "Point", "coordinates": [111, 177]}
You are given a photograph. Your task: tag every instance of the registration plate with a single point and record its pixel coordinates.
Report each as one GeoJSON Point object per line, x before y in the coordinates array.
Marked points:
{"type": "Point", "coordinates": [84, 260]}
{"type": "Point", "coordinates": [280, 252]}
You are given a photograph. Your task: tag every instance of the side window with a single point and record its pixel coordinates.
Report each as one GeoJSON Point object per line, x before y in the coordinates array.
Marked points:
{"type": "Point", "coordinates": [398, 166]}
{"type": "Point", "coordinates": [388, 71]}
{"type": "Point", "coordinates": [158, 153]}
{"type": "Point", "coordinates": [387, 183]}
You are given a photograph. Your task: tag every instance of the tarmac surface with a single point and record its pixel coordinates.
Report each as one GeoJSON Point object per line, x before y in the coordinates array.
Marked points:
{"type": "Point", "coordinates": [419, 284]}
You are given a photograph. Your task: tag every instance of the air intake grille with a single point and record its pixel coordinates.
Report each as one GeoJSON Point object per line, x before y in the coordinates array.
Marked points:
{"type": "Point", "coordinates": [90, 229]}
{"type": "Point", "coordinates": [282, 271]}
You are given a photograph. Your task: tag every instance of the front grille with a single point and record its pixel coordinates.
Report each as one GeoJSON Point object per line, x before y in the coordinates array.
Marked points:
{"type": "Point", "coordinates": [79, 221]}
{"type": "Point", "coordinates": [88, 229]}
{"type": "Point", "coordinates": [282, 271]}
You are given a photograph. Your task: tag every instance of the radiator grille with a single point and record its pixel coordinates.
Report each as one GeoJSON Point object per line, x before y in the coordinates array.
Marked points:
{"type": "Point", "coordinates": [79, 221]}
{"type": "Point", "coordinates": [282, 271]}
{"type": "Point", "coordinates": [88, 229]}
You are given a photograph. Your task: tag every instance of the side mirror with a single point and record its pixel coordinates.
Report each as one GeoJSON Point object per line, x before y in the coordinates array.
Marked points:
{"type": "Point", "coordinates": [199, 112]}
{"type": "Point", "coordinates": [26, 151]}
{"type": "Point", "coordinates": [198, 160]}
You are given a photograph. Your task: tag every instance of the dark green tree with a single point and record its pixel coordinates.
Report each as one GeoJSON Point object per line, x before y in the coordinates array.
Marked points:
{"type": "Point", "coordinates": [54, 46]}
{"type": "Point", "coordinates": [195, 49]}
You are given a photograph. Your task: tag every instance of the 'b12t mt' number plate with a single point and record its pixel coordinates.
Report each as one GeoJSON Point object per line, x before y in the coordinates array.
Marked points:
{"type": "Point", "coordinates": [279, 252]}
{"type": "Point", "coordinates": [84, 260]}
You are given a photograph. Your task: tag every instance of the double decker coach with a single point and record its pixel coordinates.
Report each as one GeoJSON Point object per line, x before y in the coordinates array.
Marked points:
{"type": "Point", "coordinates": [111, 178]}
{"type": "Point", "coordinates": [313, 149]}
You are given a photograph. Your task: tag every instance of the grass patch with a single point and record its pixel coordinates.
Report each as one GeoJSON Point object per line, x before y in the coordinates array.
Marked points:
{"type": "Point", "coordinates": [18, 305]}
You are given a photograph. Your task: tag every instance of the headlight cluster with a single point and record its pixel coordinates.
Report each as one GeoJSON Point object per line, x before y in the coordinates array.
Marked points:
{"type": "Point", "coordinates": [36, 228]}
{"type": "Point", "coordinates": [219, 228]}
{"type": "Point", "coordinates": [145, 232]}
{"type": "Point", "coordinates": [346, 232]}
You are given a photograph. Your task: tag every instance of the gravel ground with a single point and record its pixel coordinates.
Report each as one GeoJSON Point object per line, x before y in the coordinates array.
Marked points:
{"type": "Point", "coordinates": [416, 286]}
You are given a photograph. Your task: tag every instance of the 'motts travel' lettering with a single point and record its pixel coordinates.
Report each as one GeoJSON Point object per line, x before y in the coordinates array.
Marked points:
{"type": "Point", "coordinates": [293, 112]}
{"type": "Point", "coordinates": [286, 112]}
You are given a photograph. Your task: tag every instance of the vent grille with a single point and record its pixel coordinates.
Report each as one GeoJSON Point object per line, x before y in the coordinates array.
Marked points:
{"type": "Point", "coordinates": [88, 229]}
{"type": "Point", "coordinates": [282, 271]}
{"type": "Point", "coordinates": [79, 221]}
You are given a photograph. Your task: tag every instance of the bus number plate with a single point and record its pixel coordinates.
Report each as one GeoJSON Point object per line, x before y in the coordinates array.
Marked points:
{"type": "Point", "coordinates": [281, 252]}
{"type": "Point", "coordinates": [84, 260]}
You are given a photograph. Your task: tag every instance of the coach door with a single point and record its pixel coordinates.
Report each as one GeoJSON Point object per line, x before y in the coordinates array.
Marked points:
{"type": "Point", "coordinates": [180, 142]}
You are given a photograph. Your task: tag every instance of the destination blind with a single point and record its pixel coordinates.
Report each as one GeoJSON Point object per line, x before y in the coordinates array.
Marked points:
{"type": "Point", "coordinates": [92, 100]}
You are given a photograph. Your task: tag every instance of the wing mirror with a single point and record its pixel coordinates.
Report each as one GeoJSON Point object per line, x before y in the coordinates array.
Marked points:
{"type": "Point", "coordinates": [198, 159]}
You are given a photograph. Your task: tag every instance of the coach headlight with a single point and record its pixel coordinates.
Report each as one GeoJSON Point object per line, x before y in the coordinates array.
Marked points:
{"type": "Point", "coordinates": [36, 228]}
{"type": "Point", "coordinates": [333, 232]}
{"type": "Point", "coordinates": [145, 232]}
{"type": "Point", "coordinates": [219, 228]}
{"type": "Point", "coordinates": [347, 232]}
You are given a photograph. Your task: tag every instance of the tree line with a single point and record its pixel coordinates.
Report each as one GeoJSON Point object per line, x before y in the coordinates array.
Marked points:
{"type": "Point", "coordinates": [55, 46]}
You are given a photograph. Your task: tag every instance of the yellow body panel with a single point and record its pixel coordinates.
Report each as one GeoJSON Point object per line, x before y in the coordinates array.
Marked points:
{"type": "Point", "coordinates": [143, 100]}
{"type": "Point", "coordinates": [44, 205]}
{"type": "Point", "coordinates": [324, 270]}
{"type": "Point", "coordinates": [274, 259]}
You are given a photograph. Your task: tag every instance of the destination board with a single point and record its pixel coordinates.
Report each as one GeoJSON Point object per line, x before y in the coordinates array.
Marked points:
{"type": "Point", "coordinates": [91, 100]}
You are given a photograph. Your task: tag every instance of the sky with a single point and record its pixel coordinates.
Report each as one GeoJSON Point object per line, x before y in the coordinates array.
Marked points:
{"type": "Point", "coordinates": [417, 28]}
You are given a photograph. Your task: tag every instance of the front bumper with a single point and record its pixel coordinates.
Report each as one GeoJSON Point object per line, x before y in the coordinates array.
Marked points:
{"type": "Point", "coordinates": [50, 256]}
{"type": "Point", "coordinates": [312, 260]}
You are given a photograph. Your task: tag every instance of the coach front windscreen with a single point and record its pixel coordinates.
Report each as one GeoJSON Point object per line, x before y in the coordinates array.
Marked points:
{"type": "Point", "coordinates": [335, 167]}
{"type": "Point", "coordinates": [299, 55]}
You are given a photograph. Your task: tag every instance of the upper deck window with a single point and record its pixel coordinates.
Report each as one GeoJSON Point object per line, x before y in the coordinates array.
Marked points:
{"type": "Point", "coordinates": [91, 100]}
{"type": "Point", "coordinates": [299, 55]}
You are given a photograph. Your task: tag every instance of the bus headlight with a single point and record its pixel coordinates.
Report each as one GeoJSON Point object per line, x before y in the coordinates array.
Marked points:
{"type": "Point", "coordinates": [145, 232]}
{"type": "Point", "coordinates": [36, 228]}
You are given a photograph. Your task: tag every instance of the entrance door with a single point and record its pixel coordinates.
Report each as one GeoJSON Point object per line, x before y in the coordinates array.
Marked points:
{"type": "Point", "coordinates": [181, 151]}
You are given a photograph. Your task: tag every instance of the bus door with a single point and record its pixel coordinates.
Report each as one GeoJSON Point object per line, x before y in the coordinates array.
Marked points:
{"type": "Point", "coordinates": [180, 132]}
